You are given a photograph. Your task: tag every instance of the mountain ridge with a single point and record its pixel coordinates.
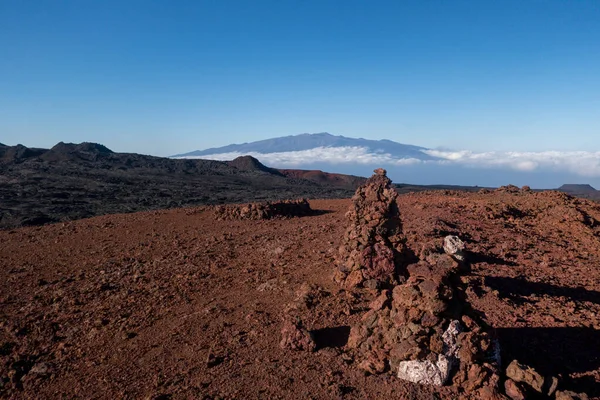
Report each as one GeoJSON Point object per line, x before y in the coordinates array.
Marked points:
{"type": "Point", "coordinates": [308, 141]}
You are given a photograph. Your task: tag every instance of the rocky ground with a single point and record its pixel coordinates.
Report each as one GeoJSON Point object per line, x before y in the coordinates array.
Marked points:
{"type": "Point", "coordinates": [180, 304]}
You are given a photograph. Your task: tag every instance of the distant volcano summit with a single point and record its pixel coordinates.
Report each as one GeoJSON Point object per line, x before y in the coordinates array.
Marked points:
{"type": "Point", "coordinates": [312, 143]}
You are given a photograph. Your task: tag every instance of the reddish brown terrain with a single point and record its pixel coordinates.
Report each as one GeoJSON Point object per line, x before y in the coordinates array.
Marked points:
{"type": "Point", "coordinates": [179, 304]}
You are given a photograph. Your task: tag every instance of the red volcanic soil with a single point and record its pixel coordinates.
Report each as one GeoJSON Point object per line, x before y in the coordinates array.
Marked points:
{"type": "Point", "coordinates": [176, 304]}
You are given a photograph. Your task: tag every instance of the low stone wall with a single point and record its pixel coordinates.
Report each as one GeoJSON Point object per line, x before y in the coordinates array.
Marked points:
{"type": "Point", "coordinates": [267, 210]}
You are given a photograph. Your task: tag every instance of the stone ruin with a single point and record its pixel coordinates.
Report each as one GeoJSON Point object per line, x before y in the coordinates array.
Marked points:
{"type": "Point", "coordinates": [372, 246]}
{"type": "Point", "coordinates": [266, 210]}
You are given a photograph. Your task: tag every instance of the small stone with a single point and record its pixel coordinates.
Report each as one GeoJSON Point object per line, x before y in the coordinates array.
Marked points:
{"type": "Point", "coordinates": [358, 334]}
{"type": "Point", "coordinates": [271, 284]}
{"type": "Point", "coordinates": [295, 337]}
{"type": "Point", "coordinates": [372, 366]}
{"type": "Point", "coordinates": [568, 395]}
{"type": "Point", "coordinates": [527, 375]}
{"type": "Point", "coordinates": [425, 372]}
{"type": "Point", "coordinates": [551, 384]}
{"type": "Point", "coordinates": [454, 247]}
{"type": "Point", "coordinates": [41, 369]}
{"type": "Point", "coordinates": [380, 171]}
{"type": "Point", "coordinates": [514, 390]}
{"type": "Point", "coordinates": [354, 279]}
{"type": "Point", "coordinates": [450, 339]}
{"type": "Point", "coordinates": [371, 284]}
{"type": "Point", "coordinates": [380, 301]}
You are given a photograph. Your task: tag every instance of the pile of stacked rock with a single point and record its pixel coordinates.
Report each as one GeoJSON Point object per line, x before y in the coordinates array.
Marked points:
{"type": "Point", "coordinates": [417, 327]}
{"type": "Point", "coordinates": [371, 251]}
{"type": "Point", "coordinates": [267, 210]}
{"type": "Point", "coordinates": [422, 332]}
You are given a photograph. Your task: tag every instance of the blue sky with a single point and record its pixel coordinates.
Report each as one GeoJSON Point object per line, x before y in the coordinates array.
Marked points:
{"type": "Point", "coordinates": [165, 77]}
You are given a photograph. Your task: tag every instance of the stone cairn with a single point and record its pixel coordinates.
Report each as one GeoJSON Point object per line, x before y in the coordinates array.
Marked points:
{"type": "Point", "coordinates": [417, 327]}
{"type": "Point", "coordinates": [266, 210]}
{"type": "Point", "coordinates": [372, 246]}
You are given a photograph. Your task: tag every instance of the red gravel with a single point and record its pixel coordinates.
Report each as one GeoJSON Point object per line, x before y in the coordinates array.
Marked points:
{"type": "Point", "coordinates": [175, 304]}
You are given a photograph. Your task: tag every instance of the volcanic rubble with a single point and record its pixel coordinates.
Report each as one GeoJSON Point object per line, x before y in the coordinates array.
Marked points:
{"type": "Point", "coordinates": [420, 326]}
{"type": "Point", "coordinates": [265, 210]}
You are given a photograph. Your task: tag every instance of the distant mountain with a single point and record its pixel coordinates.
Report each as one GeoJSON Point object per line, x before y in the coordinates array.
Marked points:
{"type": "Point", "coordinates": [577, 188]}
{"type": "Point", "coordinates": [308, 141]}
{"type": "Point", "coordinates": [412, 164]}
{"type": "Point", "coordinates": [580, 190]}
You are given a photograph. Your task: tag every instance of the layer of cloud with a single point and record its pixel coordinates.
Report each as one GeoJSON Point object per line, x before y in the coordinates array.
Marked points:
{"type": "Point", "coordinates": [582, 163]}
{"type": "Point", "coordinates": [578, 162]}
{"type": "Point", "coordinates": [331, 155]}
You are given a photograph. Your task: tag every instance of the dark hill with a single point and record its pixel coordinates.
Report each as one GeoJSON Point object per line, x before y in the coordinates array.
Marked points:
{"type": "Point", "coordinates": [580, 190]}
{"type": "Point", "coordinates": [326, 178]}
{"type": "Point", "coordinates": [251, 164]}
{"type": "Point", "coordinates": [577, 188]}
{"type": "Point", "coordinates": [72, 181]}
{"type": "Point", "coordinates": [70, 151]}
{"type": "Point", "coordinates": [18, 153]}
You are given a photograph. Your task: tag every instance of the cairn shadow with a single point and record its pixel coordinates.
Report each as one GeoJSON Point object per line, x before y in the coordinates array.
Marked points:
{"type": "Point", "coordinates": [331, 337]}
{"type": "Point", "coordinates": [475, 258]}
{"type": "Point", "coordinates": [314, 213]}
{"type": "Point", "coordinates": [517, 288]}
{"type": "Point", "coordinates": [556, 352]}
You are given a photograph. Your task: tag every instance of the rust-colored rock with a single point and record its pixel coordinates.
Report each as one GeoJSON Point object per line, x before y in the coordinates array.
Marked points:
{"type": "Point", "coordinates": [514, 390]}
{"type": "Point", "coordinates": [294, 336]}
{"type": "Point", "coordinates": [527, 375]}
{"type": "Point", "coordinates": [373, 242]}
{"type": "Point", "coordinates": [267, 210]}
{"type": "Point", "coordinates": [569, 395]}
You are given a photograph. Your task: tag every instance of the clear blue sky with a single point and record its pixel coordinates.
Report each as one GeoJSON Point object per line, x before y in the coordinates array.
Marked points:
{"type": "Point", "coordinates": [165, 77]}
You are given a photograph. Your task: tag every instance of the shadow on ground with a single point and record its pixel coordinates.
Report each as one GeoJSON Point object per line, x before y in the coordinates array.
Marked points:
{"type": "Point", "coordinates": [331, 337]}
{"type": "Point", "coordinates": [519, 287]}
{"type": "Point", "coordinates": [556, 352]}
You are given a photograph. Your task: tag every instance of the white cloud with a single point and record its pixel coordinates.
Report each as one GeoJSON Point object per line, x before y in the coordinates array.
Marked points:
{"type": "Point", "coordinates": [584, 163]}
{"type": "Point", "coordinates": [578, 162]}
{"type": "Point", "coordinates": [332, 155]}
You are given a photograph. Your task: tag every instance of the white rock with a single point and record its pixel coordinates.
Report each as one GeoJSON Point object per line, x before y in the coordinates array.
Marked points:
{"type": "Point", "coordinates": [425, 372]}
{"type": "Point", "coordinates": [428, 373]}
{"type": "Point", "coordinates": [454, 247]}
{"type": "Point", "coordinates": [450, 339]}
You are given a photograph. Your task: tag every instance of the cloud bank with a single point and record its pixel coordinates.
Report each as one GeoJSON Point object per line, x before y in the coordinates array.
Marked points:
{"type": "Point", "coordinates": [581, 163]}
